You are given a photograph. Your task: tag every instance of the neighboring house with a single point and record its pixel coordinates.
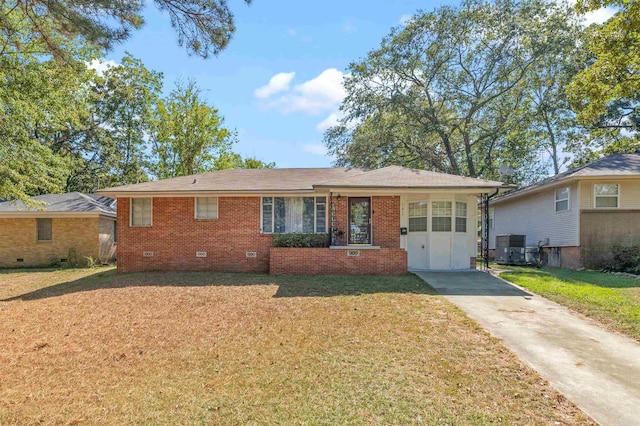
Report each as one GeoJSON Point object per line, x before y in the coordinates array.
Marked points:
{"type": "Point", "coordinates": [61, 229]}
{"type": "Point", "coordinates": [380, 221]}
{"type": "Point", "coordinates": [578, 215]}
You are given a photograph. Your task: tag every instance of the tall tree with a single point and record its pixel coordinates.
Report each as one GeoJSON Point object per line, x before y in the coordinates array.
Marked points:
{"type": "Point", "coordinates": [187, 134]}
{"type": "Point", "coordinates": [204, 27]}
{"type": "Point", "coordinates": [450, 89]}
{"type": "Point", "coordinates": [109, 149]}
{"type": "Point", "coordinates": [607, 93]}
{"type": "Point", "coordinates": [233, 160]}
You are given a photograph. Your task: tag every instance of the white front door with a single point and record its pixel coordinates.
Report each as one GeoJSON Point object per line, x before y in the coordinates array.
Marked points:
{"type": "Point", "coordinates": [418, 236]}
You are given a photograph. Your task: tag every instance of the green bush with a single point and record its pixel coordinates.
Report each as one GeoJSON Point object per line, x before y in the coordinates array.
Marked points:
{"type": "Point", "coordinates": [300, 240]}
{"type": "Point", "coordinates": [626, 259]}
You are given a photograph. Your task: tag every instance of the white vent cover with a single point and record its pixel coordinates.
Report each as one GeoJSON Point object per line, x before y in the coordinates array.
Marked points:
{"type": "Point", "coordinates": [201, 254]}
{"type": "Point", "coordinates": [251, 254]}
{"type": "Point", "coordinates": [147, 254]}
{"type": "Point", "coordinates": [353, 253]}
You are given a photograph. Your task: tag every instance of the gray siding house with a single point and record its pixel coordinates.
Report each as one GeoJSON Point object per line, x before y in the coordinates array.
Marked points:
{"type": "Point", "coordinates": [579, 215]}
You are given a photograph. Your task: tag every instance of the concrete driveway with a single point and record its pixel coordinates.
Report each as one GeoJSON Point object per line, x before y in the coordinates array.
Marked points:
{"type": "Point", "coordinates": [598, 370]}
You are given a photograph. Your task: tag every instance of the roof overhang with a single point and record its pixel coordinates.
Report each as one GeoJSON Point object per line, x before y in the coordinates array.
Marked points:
{"type": "Point", "coordinates": [24, 214]}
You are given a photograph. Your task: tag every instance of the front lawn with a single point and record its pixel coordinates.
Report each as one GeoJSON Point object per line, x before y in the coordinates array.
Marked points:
{"type": "Point", "coordinates": [612, 300]}
{"type": "Point", "coordinates": [93, 347]}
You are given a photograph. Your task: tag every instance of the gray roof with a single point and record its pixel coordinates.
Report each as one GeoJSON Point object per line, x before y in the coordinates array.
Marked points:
{"type": "Point", "coordinates": [401, 177]}
{"type": "Point", "coordinates": [613, 166]}
{"type": "Point", "coordinates": [71, 202]}
{"type": "Point", "coordinates": [287, 180]}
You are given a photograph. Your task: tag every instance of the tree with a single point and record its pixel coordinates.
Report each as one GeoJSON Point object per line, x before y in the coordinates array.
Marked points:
{"type": "Point", "coordinates": [109, 147]}
{"type": "Point", "coordinates": [187, 134]}
{"type": "Point", "coordinates": [607, 93]}
{"type": "Point", "coordinates": [233, 160]}
{"type": "Point", "coordinates": [204, 27]}
{"type": "Point", "coordinates": [450, 89]}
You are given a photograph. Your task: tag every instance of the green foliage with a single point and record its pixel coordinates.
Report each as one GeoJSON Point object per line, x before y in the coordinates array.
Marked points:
{"type": "Point", "coordinates": [108, 147]}
{"type": "Point", "coordinates": [453, 91]}
{"type": "Point", "coordinates": [204, 27]}
{"type": "Point", "coordinates": [91, 263]}
{"type": "Point", "coordinates": [187, 134]}
{"type": "Point", "coordinates": [607, 92]}
{"type": "Point", "coordinates": [626, 259]}
{"type": "Point", "coordinates": [233, 160]}
{"type": "Point", "coordinates": [300, 240]}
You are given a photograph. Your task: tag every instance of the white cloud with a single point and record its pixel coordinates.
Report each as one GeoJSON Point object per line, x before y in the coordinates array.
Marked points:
{"type": "Point", "coordinates": [320, 94]}
{"type": "Point", "coordinates": [101, 66]}
{"type": "Point", "coordinates": [330, 121]}
{"type": "Point", "coordinates": [292, 32]}
{"type": "Point", "coordinates": [277, 83]}
{"type": "Point", "coordinates": [599, 16]}
{"type": "Point", "coordinates": [404, 19]}
{"type": "Point", "coordinates": [315, 149]}
{"type": "Point", "coordinates": [348, 27]}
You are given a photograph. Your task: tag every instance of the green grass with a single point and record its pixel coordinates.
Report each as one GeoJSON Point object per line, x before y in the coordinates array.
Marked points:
{"type": "Point", "coordinates": [611, 300]}
{"type": "Point", "coordinates": [96, 347]}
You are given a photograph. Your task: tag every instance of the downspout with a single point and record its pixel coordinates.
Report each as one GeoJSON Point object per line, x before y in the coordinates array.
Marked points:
{"type": "Point", "coordinates": [485, 224]}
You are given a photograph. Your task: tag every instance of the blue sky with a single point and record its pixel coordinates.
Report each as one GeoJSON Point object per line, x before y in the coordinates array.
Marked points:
{"type": "Point", "coordinates": [279, 81]}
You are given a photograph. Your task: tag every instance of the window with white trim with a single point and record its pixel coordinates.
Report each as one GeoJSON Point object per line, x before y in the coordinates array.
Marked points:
{"type": "Point", "coordinates": [418, 216]}
{"type": "Point", "coordinates": [441, 216]}
{"type": "Point", "coordinates": [461, 217]}
{"type": "Point", "coordinates": [141, 211]}
{"type": "Point", "coordinates": [491, 217]}
{"type": "Point", "coordinates": [606, 195]}
{"type": "Point", "coordinates": [44, 229]}
{"type": "Point", "coordinates": [284, 215]}
{"type": "Point", "coordinates": [562, 199]}
{"type": "Point", "coordinates": [206, 208]}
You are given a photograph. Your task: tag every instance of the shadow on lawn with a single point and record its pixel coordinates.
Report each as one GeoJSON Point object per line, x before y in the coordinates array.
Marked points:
{"type": "Point", "coordinates": [288, 286]}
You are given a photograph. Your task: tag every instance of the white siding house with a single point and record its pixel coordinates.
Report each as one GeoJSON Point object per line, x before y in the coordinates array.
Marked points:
{"type": "Point", "coordinates": [579, 216]}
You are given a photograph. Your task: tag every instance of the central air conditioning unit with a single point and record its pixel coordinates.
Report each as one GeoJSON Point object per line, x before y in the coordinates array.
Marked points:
{"type": "Point", "coordinates": [511, 249]}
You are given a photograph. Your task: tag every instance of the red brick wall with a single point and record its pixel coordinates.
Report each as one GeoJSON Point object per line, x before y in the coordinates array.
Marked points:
{"type": "Point", "coordinates": [325, 261]}
{"type": "Point", "coordinates": [175, 237]}
{"type": "Point", "coordinates": [385, 220]}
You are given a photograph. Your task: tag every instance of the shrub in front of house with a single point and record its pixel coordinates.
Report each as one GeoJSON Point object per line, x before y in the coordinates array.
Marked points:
{"type": "Point", "coordinates": [300, 240]}
{"type": "Point", "coordinates": [626, 259]}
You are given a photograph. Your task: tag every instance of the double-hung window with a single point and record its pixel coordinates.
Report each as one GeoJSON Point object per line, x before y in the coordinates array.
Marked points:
{"type": "Point", "coordinates": [562, 200]}
{"type": "Point", "coordinates": [461, 217]}
{"type": "Point", "coordinates": [606, 195]}
{"type": "Point", "coordinates": [206, 208]}
{"type": "Point", "coordinates": [141, 212]}
{"type": "Point", "coordinates": [284, 215]}
{"type": "Point", "coordinates": [44, 229]}
{"type": "Point", "coordinates": [418, 216]}
{"type": "Point", "coordinates": [441, 216]}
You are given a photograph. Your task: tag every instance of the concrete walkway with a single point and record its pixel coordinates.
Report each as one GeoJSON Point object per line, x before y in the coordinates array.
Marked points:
{"type": "Point", "coordinates": [598, 370]}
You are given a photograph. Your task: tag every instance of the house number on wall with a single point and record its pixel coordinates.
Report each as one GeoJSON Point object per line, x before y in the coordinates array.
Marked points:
{"type": "Point", "coordinates": [251, 254]}
{"type": "Point", "coordinates": [353, 252]}
{"type": "Point", "coordinates": [147, 254]}
{"type": "Point", "coordinates": [201, 254]}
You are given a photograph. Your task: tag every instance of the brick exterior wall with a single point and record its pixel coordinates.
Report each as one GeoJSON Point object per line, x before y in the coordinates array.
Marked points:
{"type": "Point", "coordinates": [175, 236]}
{"type": "Point", "coordinates": [385, 220]}
{"type": "Point", "coordinates": [325, 261]}
{"type": "Point", "coordinates": [18, 240]}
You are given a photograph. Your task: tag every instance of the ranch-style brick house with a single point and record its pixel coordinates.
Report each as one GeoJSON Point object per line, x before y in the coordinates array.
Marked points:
{"type": "Point", "coordinates": [577, 216]}
{"type": "Point", "coordinates": [62, 229]}
{"type": "Point", "coordinates": [381, 221]}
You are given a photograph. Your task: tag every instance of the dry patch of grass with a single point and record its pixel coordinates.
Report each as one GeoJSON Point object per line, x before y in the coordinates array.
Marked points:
{"type": "Point", "coordinates": [185, 348]}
